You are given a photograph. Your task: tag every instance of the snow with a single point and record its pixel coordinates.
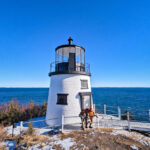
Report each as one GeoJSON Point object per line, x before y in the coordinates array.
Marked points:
{"type": "Point", "coordinates": [42, 129]}
{"type": "Point", "coordinates": [37, 147]}
{"type": "Point", "coordinates": [91, 133]}
{"type": "Point", "coordinates": [9, 144]}
{"type": "Point", "coordinates": [105, 121]}
{"type": "Point", "coordinates": [65, 144]}
{"type": "Point", "coordinates": [122, 132]}
{"type": "Point", "coordinates": [38, 131]}
{"type": "Point", "coordinates": [38, 123]}
{"type": "Point", "coordinates": [69, 142]}
{"type": "Point", "coordinates": [136, 136]}
{"type": "Point", "coordinates": [84, 147]}
{"type": "Point", "coordinates": [16, 130]}
{"type": "Point", "coordinates": [134, 147]}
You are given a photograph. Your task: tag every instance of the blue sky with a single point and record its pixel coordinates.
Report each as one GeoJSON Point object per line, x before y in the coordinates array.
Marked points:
{"type": "Point", "coordinates": [115, 34]}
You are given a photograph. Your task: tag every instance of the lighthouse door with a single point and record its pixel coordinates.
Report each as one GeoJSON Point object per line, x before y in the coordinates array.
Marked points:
{"type": "Point", "coordinates": [86, 101]}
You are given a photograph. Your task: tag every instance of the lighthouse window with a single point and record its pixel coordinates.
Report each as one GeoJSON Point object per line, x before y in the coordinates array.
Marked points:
{"type": "Point", "coordinates": [84, 84]}
{"type": "Point", "coordinates": [62, 99]}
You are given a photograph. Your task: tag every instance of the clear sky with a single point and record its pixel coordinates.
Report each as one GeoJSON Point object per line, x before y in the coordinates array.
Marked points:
{"type": "Point", "coordinates": [115, 34]}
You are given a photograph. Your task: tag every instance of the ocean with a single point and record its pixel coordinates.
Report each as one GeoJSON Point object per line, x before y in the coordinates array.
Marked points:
{"type": "Point", "coordinates": [135, 99]}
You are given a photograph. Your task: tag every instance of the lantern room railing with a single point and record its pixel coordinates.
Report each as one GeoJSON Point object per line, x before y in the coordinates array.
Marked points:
{"type": "Point", "coordinates": [60, 67]}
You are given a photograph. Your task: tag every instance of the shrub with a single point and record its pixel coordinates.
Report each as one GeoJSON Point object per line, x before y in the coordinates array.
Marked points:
{"type": "Point", "coordinates": [124, 116]}
{"type": "Point", "coordinates": [30, 130]}
{"type": "Point", "coordinates": [12, 112]}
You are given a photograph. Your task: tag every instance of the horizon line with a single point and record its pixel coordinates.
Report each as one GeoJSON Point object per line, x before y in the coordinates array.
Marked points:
{"type": "Point", "coordinates": [91, 87]}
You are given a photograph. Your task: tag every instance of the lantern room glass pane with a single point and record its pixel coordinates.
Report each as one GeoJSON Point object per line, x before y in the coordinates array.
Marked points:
{"type": "Point", "coordinates": [62, 54]}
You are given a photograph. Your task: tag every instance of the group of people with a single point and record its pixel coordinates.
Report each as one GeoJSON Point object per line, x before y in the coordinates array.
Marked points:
{"type": "Point", "coordinates": [86, 116]}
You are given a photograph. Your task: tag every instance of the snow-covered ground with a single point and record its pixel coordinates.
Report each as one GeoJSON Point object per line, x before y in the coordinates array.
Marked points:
{"type": "Point", "coordinates": [133, 135]}
{"type": "Point", "coordinates": [134, 147]}
{"type": "Point", "coordinates": [10, 145]}
{"type": "Point", "coordinates": [104, 121]}
{"type": "Point", "coordinates": [64, 144]}
{"type": "Point", "coordinates": [69, 142]}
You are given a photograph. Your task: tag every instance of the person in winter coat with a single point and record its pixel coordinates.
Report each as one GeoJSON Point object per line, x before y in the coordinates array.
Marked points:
{"type": "Point", "coordinates": [86, 117]}
{"type": "Point", "coordinates": [82, 116]}
{"type": "Point", "coordinates": [91, 115]}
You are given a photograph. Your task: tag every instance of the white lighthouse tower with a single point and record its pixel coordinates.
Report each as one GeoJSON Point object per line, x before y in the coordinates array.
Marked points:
{"type": "Point", "coordinates": [70, 88]}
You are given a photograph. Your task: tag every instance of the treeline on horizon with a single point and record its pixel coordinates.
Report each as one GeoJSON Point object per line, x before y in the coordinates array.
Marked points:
{"type": "Point", "coordinates": [13, 112]}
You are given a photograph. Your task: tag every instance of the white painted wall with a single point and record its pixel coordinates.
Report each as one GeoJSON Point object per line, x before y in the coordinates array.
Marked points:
{"type": "Point", "coordinates": [70, 84]}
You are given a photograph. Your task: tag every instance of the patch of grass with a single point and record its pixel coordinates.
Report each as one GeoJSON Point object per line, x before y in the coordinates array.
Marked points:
{"type": "Point", "coordinates": [85, 132]}
{"type": "Point", "coordinates": [128, 141]}
{"type": "Point", "coordinates": [41, 146]}
{"type": "Point", "coordinates": [57, 147]}
{"type": "Point", "coordinates": [33, 140]}
{"type": "Point", "coordinates": [2, 147]}
{"type": "Point", "coordinates": [3, 135]}
{"type": "Point", "coordinates": [102, 139]}
{"type": "Point", "coordinates": [85, 140]}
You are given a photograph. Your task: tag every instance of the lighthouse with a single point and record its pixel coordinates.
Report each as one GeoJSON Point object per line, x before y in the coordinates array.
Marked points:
{"type": "Point", "coordinates": [70, 87]}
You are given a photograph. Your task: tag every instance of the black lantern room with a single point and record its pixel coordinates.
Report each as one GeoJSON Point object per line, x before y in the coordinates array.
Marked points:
{"type": "Point", "coordinates": [69, 59]}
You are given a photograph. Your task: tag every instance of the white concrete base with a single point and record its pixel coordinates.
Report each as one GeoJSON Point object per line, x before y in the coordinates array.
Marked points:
{"type": "Point", "coordinates": [68, 84]}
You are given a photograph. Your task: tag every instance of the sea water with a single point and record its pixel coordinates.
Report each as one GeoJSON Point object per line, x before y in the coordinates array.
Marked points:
{"type": "Point", "coordinates": [135, 99]}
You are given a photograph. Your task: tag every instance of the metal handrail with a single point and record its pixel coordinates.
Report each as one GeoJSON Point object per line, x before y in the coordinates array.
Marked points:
{"type": "Point", "coordinates": [79, 67]}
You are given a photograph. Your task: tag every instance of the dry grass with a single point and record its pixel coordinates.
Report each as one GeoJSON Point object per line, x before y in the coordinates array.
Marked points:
{"type": "Point", "coordinates": [30, 140]}
{"type": "Point", "coordinates": [27, 137]}
{"type": "Point", "coordinates": [3, 137]}
{"type": "Point", "coordinates": [101, 139]}
{"type": "Point", "coordinates": [57, 147]}
{"type": "Point", "coordinates": [107, 130]}
{"type": "Point", "coordinates": [128, 141]}
{"type": "Point", "coordinates": [41, 146]}
{"type": "Point", "coordinates": [3, 134]}
{"type": "Point", "coordinates": [81, 132]}
{"type": "Point", "coordinates": [94, 139]}
{"type": "Point", "coordinates": [2, 147]}
{"type": "Point", "coordinates": [33, 140]}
